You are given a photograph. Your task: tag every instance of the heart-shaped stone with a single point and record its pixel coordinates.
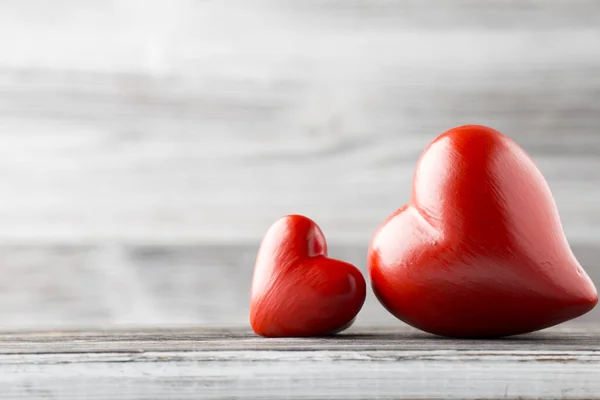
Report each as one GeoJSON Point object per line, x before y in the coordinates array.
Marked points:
{"type": "Point", "coordinates": [296, 289]}
{"type": "Point", "coordinates": [479, 250]}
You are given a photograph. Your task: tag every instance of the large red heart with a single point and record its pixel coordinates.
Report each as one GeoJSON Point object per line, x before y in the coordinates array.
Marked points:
{"type": "Point", "coordinates": [479, 250]}
{"type": "Point", "coordinates": [296, 289]}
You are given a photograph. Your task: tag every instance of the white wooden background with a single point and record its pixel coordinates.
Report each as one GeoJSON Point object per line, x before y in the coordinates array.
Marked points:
{"type": "Point", "coordinates": [146, 146]}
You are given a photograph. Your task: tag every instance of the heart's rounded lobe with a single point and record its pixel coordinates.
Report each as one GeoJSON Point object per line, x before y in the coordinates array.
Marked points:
{"type": "Point", "coordinates": [296, 289]}
{"type": "Point", "coordinates": [479, 250]}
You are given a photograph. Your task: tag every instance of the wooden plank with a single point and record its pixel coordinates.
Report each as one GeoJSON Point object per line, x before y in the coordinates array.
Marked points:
{"type": "Point", "coordinates": [187, 121]}
{"type": "Point", "coordinates": [400, 338]}
{"type": "Point", "coordinates": [384, 363]}
{"type": "Point", "coordinates": [63, 287]}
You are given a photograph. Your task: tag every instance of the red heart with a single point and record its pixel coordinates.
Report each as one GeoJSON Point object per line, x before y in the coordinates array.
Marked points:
{"type": "Point", "coordinates": [296, 289]}
{"type": "Point", "coordinates": [479, 250]}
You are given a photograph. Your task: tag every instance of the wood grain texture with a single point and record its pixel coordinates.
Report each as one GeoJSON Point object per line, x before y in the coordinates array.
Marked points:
{"type": "Point", "coordinates": [376, 363]}
{"type": "Point", "coordinates": [194, 121]}
{"type": "Point", "coordinates": [59, 287]}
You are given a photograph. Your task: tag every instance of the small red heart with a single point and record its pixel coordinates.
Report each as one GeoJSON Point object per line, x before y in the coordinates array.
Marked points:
{"type": "Point", "coordinates": [296, 289]}
{"type": "Point", "coordinates": [479, 250]}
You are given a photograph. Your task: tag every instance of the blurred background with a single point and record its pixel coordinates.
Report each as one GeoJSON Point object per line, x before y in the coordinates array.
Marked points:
{"type": "Point", "coordinates": [146, 146]}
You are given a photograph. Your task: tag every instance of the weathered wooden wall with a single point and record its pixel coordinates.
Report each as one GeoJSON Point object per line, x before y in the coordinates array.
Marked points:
{"type": "Point", "coordinates": [170, 123]}
{"type": "Point", "coordinates": [64, 287]}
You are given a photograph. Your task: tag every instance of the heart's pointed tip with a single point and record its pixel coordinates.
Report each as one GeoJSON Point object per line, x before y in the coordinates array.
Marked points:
{"type": "Point", "coordinates": [575, 305]}
{"type": "Point", "coordinates": [587, 295]}
{"type": "Point", "coordinates": [342, 328]}
{"type": "Point", "coordinates": [587, 301]}
{"type": "Point", "coordinates": [268, 331]}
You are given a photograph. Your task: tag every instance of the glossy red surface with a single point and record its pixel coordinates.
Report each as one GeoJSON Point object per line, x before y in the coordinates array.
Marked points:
{"type": "Point", "coordinates": [296, 289]}
{"type": "Point", "coordinates": [479, 250]}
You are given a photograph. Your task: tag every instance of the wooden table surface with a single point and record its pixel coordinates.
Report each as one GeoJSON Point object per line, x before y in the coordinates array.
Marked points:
{"type": "Point", "coordinates": [394, 362]}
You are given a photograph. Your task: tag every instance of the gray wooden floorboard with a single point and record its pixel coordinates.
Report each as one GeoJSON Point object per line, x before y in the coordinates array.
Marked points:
{"type": "Point", "coordinates": [362, 364]}
{"type": "Point", "coordinates": [381, 337]}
